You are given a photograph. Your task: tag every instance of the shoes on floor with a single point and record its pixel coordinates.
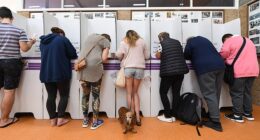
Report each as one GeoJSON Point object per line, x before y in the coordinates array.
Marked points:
{"type": "Point", "coordinates": [97, 124]}
{"type": "Point", "coordinates": [213, 125]}
{"type": "Point", "coordinates": [85, 122]}
{"type": "Point", "coordinates": [139, 123]}
{"type": "Point", "coordinates": [164, 119]}
{"type": "Point", "coordinates": [235, 117]}
{"type": "Point", "coordinates": [248, 117]}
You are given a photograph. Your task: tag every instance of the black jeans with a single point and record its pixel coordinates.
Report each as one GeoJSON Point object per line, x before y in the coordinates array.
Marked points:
{"type": "Point", "coordinates": [166, 82]}
{"type": "Point", "coordinates": [64, 88]}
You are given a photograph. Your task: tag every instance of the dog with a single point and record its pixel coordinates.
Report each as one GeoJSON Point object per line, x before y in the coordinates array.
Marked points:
{"type": "Point", "coordinates": [128, 119]}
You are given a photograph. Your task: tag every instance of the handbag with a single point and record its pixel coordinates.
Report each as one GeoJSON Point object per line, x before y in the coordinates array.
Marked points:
{"type": "Point", "coordinates": [229, 70]}
{"type": "Point", "coordinates": [120, 78]}
{"type": "Point", "coordinates": [82, 63]}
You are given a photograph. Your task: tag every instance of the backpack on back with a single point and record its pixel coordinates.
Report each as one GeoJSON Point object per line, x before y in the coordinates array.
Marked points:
{"type": "Point", "coordinates": [189, 109]}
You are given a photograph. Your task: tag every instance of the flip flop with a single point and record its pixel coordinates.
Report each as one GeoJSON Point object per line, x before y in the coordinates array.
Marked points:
{"type": "Point", "coordinates": [14, 120]}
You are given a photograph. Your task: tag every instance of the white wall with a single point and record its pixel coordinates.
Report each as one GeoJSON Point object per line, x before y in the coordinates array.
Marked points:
{"type": "Point", "coordinates": [14, 5]}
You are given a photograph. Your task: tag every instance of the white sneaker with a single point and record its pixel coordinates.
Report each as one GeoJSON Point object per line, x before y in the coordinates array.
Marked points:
{"type": "Point", "coordinates": [162, 118]}
{"type": "Point", "coordinates": [173, 119]}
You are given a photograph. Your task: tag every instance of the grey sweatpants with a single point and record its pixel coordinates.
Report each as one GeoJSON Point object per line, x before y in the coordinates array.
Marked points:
{"type": "Point", "coordinates": [241, 95]}
{"type": "Point", "coordinates": [210, 85]}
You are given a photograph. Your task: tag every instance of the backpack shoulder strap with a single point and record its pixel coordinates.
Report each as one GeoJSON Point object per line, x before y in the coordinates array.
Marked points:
{"type": "Point", "coordinates": [198, 111]}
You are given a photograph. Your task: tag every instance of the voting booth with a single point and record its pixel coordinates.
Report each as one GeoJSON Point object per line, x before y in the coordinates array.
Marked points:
{"type": "Point", "coordinates": [31, 95]}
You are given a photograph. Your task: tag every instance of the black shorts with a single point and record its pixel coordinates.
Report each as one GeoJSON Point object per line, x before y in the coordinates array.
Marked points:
{"type": "Point", "coordinates": [10, 73]}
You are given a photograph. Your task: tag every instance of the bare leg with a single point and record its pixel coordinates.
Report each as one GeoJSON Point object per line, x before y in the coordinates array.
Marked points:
{"type": "Point", "coordinates": [136, 98]}
{"type": "Point", "coordinates": [6, 106]}
{"type": "Point", "coordinates": [129, 89]}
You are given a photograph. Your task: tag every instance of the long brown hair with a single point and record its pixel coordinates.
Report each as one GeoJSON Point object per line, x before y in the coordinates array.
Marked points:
{"type": "Point", "coordinates": [131, 37]}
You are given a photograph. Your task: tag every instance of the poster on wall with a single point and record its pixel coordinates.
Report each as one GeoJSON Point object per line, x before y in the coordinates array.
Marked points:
{"type": "Point", "coordinates": [186, 16]}
{"type": "Point", "coordinates": [254, 25]}
{"type": "Point", "coordinates": [99, 15]}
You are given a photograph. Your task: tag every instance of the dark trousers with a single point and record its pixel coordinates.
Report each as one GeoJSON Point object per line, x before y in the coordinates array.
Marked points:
{"type": "Point", "coordinates": [64, 88]}
{"type": "Point", "coordinates": [210, 85]}
{"type": "Point", "coordinates": [166, 82]}
{"type": "Point", "coordinates": [241, 95]}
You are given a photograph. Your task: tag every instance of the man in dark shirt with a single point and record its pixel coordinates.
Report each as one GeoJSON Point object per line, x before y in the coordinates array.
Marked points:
{"type": "Point", "coordinates": [209, 68]}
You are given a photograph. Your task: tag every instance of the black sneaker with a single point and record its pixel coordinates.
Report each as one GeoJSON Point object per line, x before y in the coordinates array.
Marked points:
{"type": "Point", "coordinates": [248, 117]}
{"type": "Point", "coordinates": [234, 117]}
{"type": "Point", "coordinates": [213, 125]}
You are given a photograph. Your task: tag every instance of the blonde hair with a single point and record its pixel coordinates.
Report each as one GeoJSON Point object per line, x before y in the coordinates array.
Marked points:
{"type": "Point", "coordinates": [131, 37]}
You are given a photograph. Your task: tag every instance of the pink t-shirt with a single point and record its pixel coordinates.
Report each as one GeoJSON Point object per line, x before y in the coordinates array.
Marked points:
{"type": "Point", "coordinates": [247, 63]}
{"type": "Point", "coordinates": [136, 55]}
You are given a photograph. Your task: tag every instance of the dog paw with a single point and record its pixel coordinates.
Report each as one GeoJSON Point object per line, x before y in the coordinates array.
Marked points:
{"type": "Point", "coordinates": [134, 131]}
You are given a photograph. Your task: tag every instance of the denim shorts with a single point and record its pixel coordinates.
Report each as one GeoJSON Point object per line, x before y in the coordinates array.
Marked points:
{"type": "Point", "coordinates": [10, 73]}
{"type": "Point", "coordinates": [135, 73]}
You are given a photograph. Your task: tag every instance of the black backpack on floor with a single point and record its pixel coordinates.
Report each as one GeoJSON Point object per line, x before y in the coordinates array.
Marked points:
{"type": "Point", "coordinates": [189, 109]}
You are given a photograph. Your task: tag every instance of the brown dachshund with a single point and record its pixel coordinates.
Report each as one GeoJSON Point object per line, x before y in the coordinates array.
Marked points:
{"type": "Point", "coordinates": [128, 119]}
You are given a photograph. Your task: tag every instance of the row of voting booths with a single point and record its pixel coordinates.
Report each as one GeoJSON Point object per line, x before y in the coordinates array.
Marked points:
{"type": "Point", "coordinates": [31, 95]}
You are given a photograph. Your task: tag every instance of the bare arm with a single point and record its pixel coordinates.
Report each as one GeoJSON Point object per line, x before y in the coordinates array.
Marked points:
{"type": "Point", "coordinates": [105, 55]}
{"type": "Point", "coordinates": [26, 46]}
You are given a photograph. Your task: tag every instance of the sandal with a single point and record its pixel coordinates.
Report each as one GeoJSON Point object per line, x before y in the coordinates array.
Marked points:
{"type": "Point", "coordinates": [13, 120]}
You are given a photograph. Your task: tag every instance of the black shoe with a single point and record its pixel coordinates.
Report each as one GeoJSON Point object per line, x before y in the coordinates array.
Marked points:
{"type": "Point", "coordinates": [248, 117]}
{"type": "Point", "coordinates": [138, 123]}
{"type": "Point", "coordinates": [213, 125]}
{"type": "Point", "coordinates": [234, 117]}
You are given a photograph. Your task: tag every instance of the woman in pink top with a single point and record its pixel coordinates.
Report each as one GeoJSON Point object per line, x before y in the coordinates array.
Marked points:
{"type": "Point", "coordinates": [133, 52]}
{"type": "Point", "coordinates": [246, 69]}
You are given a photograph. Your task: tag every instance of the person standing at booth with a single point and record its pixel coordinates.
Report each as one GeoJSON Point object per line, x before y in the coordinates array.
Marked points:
{"type": "Point", "coordinates": [12, 40]}
{"type": "Point", "coordinates": [56, 55]}
{"type": "Point", "coordinates": [133, 52]}
{"type": "Point", "coordinates": [90, 70]}
{"type": "Point", "coordinates": [246, 69]}
{"type": "Point", "coordinates": [172, 70]}
{"type": "Point", "coordinates": [209, 68]}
